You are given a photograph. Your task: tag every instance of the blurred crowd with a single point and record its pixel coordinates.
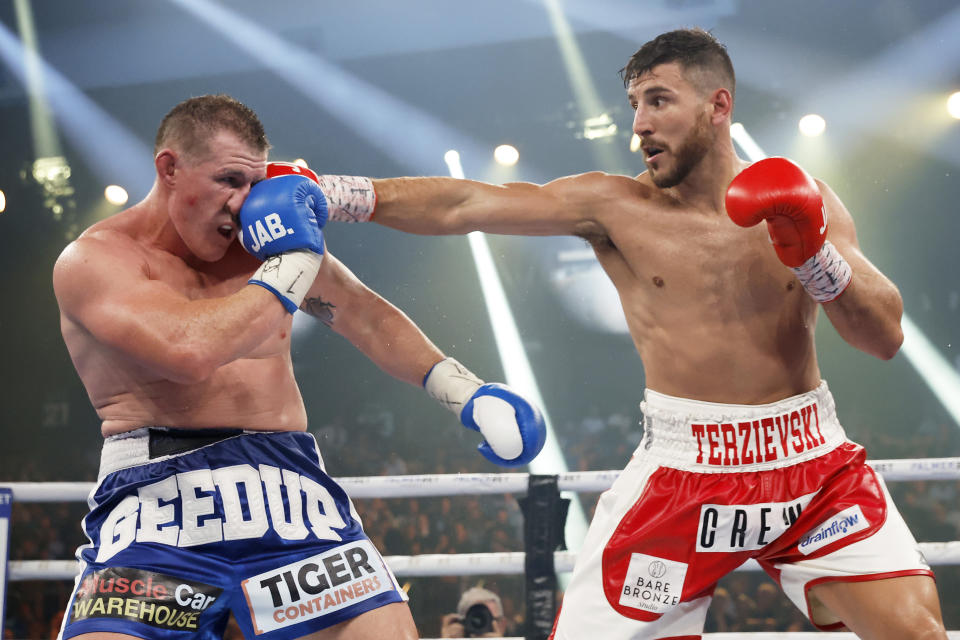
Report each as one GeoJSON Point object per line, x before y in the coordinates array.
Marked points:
{"type": "Point", "coordinates": [379, 442]}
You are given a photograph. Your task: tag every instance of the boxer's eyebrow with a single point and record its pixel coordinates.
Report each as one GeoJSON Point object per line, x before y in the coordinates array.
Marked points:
{"type": "Point", "coordinates": [231, 174]}
{"type": "Point", "coordinates": [655, 89]}
{"type": "Point", "coordinates": [648, 92]}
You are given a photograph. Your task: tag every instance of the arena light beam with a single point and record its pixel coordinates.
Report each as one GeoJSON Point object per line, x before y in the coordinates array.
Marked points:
{"type": "Point", "coordinates": [934, 369]}
{"type": "Point", "coordinates": [516, 365]}
{"type": "Point", "coordinates": [418, 144]}
{"type": "Point", "coordinates": [889, 90]}
{"type": "Point", "coordinates": [45, 141]}
{"type": "Point", "coordinates": [596, 122]}
{"type": "Point", "coordinates": [114, 154]}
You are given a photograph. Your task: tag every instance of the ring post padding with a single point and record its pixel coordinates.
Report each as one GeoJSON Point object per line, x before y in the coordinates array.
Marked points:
{"type": "Point", "coordinates": [544, 517]}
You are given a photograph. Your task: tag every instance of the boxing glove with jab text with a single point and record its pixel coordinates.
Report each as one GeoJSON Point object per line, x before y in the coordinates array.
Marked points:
{"type": "Point", "coordinates": [280, 223]}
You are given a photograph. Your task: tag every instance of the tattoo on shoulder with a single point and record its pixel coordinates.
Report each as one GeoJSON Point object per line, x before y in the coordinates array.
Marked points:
{"type": "Point", "coordinates": [319, 309]}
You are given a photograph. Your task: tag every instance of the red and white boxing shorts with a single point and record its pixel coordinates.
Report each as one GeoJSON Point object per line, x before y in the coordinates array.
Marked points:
{"type": "Point", "coordinates": [712, 485]}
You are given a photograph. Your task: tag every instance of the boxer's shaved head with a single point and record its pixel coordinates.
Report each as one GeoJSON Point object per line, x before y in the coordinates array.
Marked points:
{"type": "Point", "coordinates": [190, 125]}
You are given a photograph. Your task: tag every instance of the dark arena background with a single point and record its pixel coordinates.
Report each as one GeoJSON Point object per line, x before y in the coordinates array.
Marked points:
{"type": "Point", "coordinates": [863, 94]}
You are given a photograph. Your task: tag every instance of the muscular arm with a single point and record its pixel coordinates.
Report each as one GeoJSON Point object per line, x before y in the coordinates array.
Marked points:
{"type": "Point", "coordinates": [867, 314]}
{"type": "Point", "coordinates": [441, 206]}
{"type": "Point", "coordinates": [512, 428]}
{"type": "Point", "coordinates": [102, 285]}
{"type": "Point", "coordinates": [374, 326]}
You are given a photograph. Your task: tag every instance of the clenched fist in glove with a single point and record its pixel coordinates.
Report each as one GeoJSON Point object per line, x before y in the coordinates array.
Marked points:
{"type": "Point", "coordinates": [779, 192]}
{"type": "Point", "coordinates": [512, 427]}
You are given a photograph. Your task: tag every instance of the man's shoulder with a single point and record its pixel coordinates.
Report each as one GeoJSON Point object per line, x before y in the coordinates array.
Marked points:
{"type": "Point", "coordinates": [107, 242]}
{"type": "Point", "coordinates": [600, 184]}
{"type": "Point", "coordinates": [100, 247]}
{"type": "Point", "coordinates": [613, 180]}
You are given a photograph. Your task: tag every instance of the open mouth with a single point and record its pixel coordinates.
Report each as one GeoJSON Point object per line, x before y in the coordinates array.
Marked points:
{"type": "Point", "coordinates": [226, 230]}
{"type": "Point", "coordinates": [652, 152]}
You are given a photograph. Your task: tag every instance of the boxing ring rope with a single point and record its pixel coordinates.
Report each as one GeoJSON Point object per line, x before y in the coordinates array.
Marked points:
{"type": "Point", "coordinates": [435, 485]}
{"type": "Point", "coordinates": [503, 563]}
{"type": "Point", "coordinates": [449, 564]}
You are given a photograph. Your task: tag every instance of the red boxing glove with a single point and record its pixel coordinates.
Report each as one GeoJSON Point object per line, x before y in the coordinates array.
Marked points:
{"type": "Point", "coordinates": [783, 194]}
{"type": "Point", "coordinates": [349, 198]}
{"type": "Point", "coordinates": [275, 169]}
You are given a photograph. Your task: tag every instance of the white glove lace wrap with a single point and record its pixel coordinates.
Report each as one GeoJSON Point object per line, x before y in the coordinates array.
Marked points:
{"type": "Point", "coordinates": [451, 384]}
{"type": "Point", "coordinates": [289, 275]}
{"type": "Point", "coordinates": [825, 275]}
{"type": "Point", "coordinates": [349, 198]}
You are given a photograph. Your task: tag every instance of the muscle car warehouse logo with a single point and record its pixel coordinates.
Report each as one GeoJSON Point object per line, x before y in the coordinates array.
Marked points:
{"type": "Point", "coordinates": [142, 596]}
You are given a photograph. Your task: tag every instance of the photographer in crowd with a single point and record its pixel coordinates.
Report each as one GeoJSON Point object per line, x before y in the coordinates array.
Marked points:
{"type": "Point", "coordinates": [479, 615]}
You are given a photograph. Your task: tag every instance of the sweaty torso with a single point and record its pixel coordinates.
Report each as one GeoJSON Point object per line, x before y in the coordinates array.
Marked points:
{"type": "Point", "coordinates": [713, 313]}
{"type": "Point", "coordinates": [256, 392]}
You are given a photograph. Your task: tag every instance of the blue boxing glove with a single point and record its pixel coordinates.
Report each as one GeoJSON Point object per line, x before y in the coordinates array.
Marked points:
{"type": "Point", "coordinates": [512, 427]}
{"type": "Point", "coordinates": [280, 223]}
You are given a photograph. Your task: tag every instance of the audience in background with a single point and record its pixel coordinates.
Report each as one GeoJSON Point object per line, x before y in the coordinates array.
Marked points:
{"type": "Point", "coordinates": [745, 601]}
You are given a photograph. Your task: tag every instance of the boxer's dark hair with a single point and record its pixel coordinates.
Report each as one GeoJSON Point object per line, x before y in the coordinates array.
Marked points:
{"type": "Point", "coordinates": [191, 125]}
{"type": "Point", "coordinates": [695, 50]}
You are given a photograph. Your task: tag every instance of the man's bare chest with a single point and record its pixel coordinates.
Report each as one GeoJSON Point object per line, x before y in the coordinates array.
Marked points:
{"type": "Point", "coordinates": [699, 266]}
{"type": "Point", "coordinates": [207, 280]}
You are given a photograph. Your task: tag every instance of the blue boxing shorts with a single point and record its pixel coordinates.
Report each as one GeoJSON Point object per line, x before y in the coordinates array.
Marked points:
{"type": "Point", "coordinates": [189, 526]}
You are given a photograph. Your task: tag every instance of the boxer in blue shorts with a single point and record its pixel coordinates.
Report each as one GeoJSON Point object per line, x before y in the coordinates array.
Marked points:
{"type": "Point", "coordinates": [212, 500]}
{"type": "Point", "coordinates": [724, 324]}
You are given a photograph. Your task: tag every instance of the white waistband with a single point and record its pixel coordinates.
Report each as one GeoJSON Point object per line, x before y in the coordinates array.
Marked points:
{"type": "Point", "coordinates": [709, 436]}
{"type": "Point", "coordinates": [132, 448]}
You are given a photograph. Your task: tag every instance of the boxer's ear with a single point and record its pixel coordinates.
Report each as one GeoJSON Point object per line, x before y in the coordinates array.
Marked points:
{"type": "Point", "coordinates": [166, 164]}
{"type": "Point", "coordinates": [721, 103]}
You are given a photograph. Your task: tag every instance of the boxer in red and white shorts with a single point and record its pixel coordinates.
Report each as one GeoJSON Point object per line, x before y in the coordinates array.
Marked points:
{"type": "Point", "coordinates": [713, 485]}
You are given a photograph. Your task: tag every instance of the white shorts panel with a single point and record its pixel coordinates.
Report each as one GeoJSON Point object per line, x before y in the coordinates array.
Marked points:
{"type": "Point", "coordinates": [892, 550]}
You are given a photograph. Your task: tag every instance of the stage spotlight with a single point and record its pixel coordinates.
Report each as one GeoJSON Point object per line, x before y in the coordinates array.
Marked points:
{"type": "Point", "coordinates": [115, 195]}
{"type": "Point", "coordinates": [53, 175]}
{"type": "Point", "coordinates": [601, 126]}
{"type": "Point", "coordinates": [300, 162]}
{"type": "Point", "coordinates": [506, 154]}
{"type": "Point", "coordinates": [635, 143]}
{"type": "Point", "coordinates": [452, 157]}
{"type": "Point", "coordinates": [3, 201]}
{"type": "Point", "coordinates": [953, 105]}
{"type": "Point", "coordinates": [812, 125]}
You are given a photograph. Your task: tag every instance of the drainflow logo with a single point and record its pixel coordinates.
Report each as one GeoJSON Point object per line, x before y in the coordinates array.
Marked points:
{"type": "Point", "coordinates": [838, 526]}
